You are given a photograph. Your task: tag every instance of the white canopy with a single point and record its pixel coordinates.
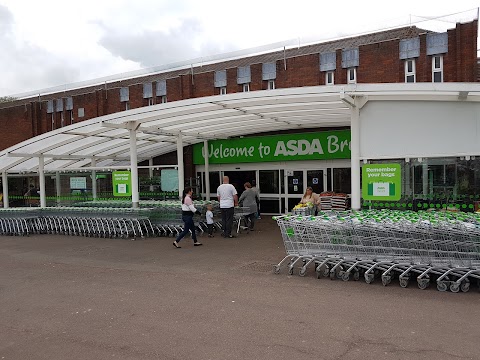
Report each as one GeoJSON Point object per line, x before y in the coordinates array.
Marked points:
{"type": "Point", "coordinates": [106, 139]}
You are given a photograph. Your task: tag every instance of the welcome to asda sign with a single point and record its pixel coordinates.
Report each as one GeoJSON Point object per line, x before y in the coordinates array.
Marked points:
{"type": "Point", "coordinates": [307, 146]}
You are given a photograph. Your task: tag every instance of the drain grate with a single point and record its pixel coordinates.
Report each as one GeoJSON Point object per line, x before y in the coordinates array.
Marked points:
{"type": "Point", "coordinates": [259, 266]}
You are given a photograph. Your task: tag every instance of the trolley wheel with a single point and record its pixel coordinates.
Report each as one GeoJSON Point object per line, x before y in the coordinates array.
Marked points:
{"type": "Point", "coordinates": [345, 276]}
{"type": "Point", "coordinates": [386, 279]}
{"type": "Point", "coordinates": [326, 271]}
{"type": "Point", "coordinates": [338, 274]}
{"type": "Point", "coordinates": [423, 283]}
{"type": "Point", "coordinates": [276, 269]}
{"type": "Point", "coordinates": [302, 271]}
{"type": "Point", "coordinates": [356, 275]}
{"type": "Point", "coordinates": [454, 287]}
{"type": "Point", "coordinates": [465, 286]}
{"type": "Point", "coordinates": [442, 286]}
{"type": "Point", "coordinates": [404, 282]}
{"type": "Point", "coordinates": [369, 278]}
{"type": "Point", "coordinates": [290, 270]}
{"type": "Point", "coordinates": [333, 275]}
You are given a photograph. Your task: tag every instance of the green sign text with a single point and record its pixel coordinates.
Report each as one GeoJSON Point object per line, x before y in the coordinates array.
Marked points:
{"type": "Point", "coordinates": [306, 146]}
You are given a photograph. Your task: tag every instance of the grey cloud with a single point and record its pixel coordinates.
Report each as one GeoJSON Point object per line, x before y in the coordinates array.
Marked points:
{"type": "Point", "coordinates": [25, 66]}
{"type": "Point", "coordinates": [152, 48]}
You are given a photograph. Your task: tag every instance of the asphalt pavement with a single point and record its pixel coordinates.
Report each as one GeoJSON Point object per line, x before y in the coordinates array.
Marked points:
{"type": "Point", "coordinates": [64, 297]}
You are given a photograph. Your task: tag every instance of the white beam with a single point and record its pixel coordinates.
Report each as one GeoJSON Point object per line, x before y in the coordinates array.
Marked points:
{"type": "Point", "coordinates": [181, 172]}
{"type": "Point", "coordinates": [58, 187]}
{"type": "Point", "coordinates": [94, 178]}
{"type": "Point", "coordinates": [207, 177]}
{"type": "Point", "coordinates": [134, 168]}
{"type": "Point", "coordinates": [150, 172]}
{"type": "Point", "coordinates": [41, 175]}
{"type": "Point", "coordinates": [5, 189]}
{"type": "Point", "coordinates": [355, 157]}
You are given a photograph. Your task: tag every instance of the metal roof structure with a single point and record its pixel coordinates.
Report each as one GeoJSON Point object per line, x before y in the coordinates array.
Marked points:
{"type": "Point", "coordinates": [122, 139]}
{"type": "Point", "coordinates": [106, 139]}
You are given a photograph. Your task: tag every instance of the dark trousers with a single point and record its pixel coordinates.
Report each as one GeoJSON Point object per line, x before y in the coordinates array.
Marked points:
{"type": "Point", "coordinates": [189, 226]}
{"type": "Point", "coordinates": [210, 229]}
{"type": "Point", "coordinates": [227, 221]}
{"type": "Point", "coordinates": [250, 220]}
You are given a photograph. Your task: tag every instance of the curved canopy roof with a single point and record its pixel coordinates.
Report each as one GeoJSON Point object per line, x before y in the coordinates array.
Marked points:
{"type": "Point", "coordinates": [107, 139]}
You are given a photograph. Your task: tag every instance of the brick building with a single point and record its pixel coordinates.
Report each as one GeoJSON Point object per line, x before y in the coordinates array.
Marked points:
{"type": "Point", "coordinates": [408, 54]}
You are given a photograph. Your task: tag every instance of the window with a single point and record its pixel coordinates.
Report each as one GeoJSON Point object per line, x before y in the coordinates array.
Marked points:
{"type": "Point", "coordinates": [161, 88]}
{"type": "Point", "coordinates": [410, 71]}
{"type": "Point", "coordinates": [127, 105]}
{"type": "Point", "coordinates": [62, 119]}
{"type": "Point", "coordinates": [329, 78]}
{"type": "Point", "coordinates": [163, 99]}
{"type": "Point", "coordinates": [269, 71]}
{"type": "Point", "coordinates": [437, 68]}
{"type": "Point", "coordinates": [246, 87]}
{"type": "Point", "coordinates": [70, 115]}
{"type": "Point", "coordinates": [271, 85]}
{"type": "Point", "coordinates": [352, 75]}
{"type": "Point", "coordinates": [81, 112]}
{"type": "Point", "coordinates": [150, 101]}
{"type": "Point", "coordinates": [220, 78]}
{"type": "Point", "coordinates": [124, 94]}
{"type": "Point", "coordinates": [223, 90]}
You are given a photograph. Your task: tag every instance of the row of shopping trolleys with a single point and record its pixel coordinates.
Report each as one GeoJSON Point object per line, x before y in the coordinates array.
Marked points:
{"type": "Point", "coordinates": [454, 279]}
{"type": "Point", "coordinates": [99, 222]}
{"type": "Point", "coordinates": [344, 247]}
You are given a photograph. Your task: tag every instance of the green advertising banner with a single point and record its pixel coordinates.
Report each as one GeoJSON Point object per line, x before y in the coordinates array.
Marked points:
{"type": "Point", "coordinates": [122, 183]}
{"type": "Point", "coordinates": [306, 146]}
{"type": "Point", "coordinates": [381, 182]}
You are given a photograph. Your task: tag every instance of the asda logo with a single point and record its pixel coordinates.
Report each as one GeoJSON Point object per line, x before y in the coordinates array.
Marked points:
{"type": "Point", "coordinates": [305, 147]}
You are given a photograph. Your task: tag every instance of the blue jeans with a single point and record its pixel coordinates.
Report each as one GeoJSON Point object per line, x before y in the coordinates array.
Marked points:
{"type": "Point", "coordinates": [189, 226]}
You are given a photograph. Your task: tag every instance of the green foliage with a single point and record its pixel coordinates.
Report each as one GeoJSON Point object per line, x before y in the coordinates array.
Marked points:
{"type": "Point", "coordinates": [5, 99]}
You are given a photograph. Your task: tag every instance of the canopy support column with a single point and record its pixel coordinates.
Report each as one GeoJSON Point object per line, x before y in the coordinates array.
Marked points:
{"type": "Point", "coordinates": [94, 179]}
{"type": "Point", "coordinates": [58, 187]}
{"type": "Point", "coordinates": [134, 167]}
{"type": "Point", "coordinates": [5, 189]}
{"type": "Point", "coordinates": [355, 157]}
{"type": "Point", "coordinates": [41, 175]}
{"type": "Point", "coordinates": [150, 172]}
{"type": "Point", "coordinates": [424, 179]}
{"type": "Point", "coordinates": [181, 174]}
{"type": "Point", "coordinates": [207, 174]}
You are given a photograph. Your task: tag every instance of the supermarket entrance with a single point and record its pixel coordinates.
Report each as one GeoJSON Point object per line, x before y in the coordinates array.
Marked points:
{"type": "Point", "coordinates": [240, 177]}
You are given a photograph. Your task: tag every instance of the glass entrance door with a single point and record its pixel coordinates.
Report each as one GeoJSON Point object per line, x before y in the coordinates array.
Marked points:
{"type": "Point", "coordinates": [298, 180]}
{"type": "Point", "coordinates": [239, 178]}
{"type": "Point", "coordinates": [315, 179]}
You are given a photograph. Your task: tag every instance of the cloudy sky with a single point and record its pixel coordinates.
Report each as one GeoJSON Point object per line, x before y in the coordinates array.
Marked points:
{"type": "Point", "coordinates": [58, 42]}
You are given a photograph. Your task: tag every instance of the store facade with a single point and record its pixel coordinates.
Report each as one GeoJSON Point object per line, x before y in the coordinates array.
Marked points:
{"type": "Point", "coordinates": [282, 165]}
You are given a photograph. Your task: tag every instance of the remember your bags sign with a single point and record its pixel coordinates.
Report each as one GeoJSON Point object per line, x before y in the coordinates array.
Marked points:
{"type": "Point", "coordinates": [306, 146]}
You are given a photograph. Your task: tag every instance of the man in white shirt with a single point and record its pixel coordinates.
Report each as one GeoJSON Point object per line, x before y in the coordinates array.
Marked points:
{"type": "Point", "coordinates": [227, 196]}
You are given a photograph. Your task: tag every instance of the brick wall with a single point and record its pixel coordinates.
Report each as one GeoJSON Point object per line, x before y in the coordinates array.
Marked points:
{"type": "Point", "coordinates": [378, 63]}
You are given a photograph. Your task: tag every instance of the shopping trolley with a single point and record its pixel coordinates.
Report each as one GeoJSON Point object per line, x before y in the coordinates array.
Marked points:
{"type": "Point", "coordinates": [385, 243]}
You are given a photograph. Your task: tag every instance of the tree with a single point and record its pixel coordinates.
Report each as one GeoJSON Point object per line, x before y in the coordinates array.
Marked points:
{"type": "Point", "coordinates": [5, 99]}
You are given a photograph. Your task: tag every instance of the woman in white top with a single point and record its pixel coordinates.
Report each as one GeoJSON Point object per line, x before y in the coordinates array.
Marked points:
{"type": "Point", "coordinates": [188, 210]}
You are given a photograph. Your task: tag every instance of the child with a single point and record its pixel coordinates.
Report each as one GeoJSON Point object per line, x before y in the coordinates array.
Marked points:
{"type": "Point", "coordinates": [209, 216]}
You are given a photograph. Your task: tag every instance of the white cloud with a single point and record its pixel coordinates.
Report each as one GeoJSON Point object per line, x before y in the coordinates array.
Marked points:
{"type": "Point", "coordinates": [57, 42]}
